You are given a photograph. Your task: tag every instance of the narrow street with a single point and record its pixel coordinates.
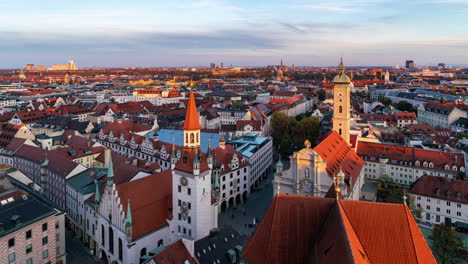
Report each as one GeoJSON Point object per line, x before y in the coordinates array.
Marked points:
{"type": "Point", "coordinates": [241, 217]}
{"type": "Point", "coordinates": [76, 252]}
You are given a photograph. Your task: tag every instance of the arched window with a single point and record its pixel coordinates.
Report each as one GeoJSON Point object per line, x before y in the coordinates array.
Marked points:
{"type": "Point", "coordinates": [307, 173]}
{"type": "Point", "coordinates": [340, 109]}
{"type": "Point", "coordinates": [120, 249]}
{"type": "Point", "coordinates": [111, 240]}
{"type": "Point", "coordinates": [192, 138]}
{"type": "Point", "coordinates": [160, 243]}
{"type": "Point", "coordinates": [197, 137]}
{"type": "Point", "coordinates": [339, 131]}
{"type": "Point", "coordinates": [186, 138]}
{"type": "Point", "coordinates": [143, 252]}
{"type": "Point", "coordinates": [103, 235]}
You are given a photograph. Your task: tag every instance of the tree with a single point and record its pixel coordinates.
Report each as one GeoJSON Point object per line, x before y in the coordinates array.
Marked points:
{"type": "Point", "coordinates": [236, 105]}
{"type": "Point", "coordinates": [386, 101]}
{"type": "Point", "coordinates": [285, 145]}
{"type": "Point", "coordinates": [405, 106]}
{"type": "Point", "coordinates": [446, 244]}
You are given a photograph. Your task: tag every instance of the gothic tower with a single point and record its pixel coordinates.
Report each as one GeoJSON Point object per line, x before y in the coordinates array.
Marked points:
{"type": "Point", "coordinates": [195, 215]}
{"type": "Point", "coordinates": [341, 103]}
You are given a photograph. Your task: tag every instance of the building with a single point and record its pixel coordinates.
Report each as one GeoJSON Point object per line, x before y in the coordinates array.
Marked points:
{"type": "Point", "coordinates": [257, 150]}
{"type": "Point", "coordinates": [341, 103]}
{"type": "Point", "coordinates": [231, 116]}
{"type": "Point", "coordinates": [32, 231]}
{"type": "Point", "coordinates": [157, 96]}
{"type": "Point", "coordinates": [71, 66]}
{"type": "Point", "coordinates": [30, 68]}
{"type": "Point", "coordinates": [410, 64]}
{"type": "Point", "coordinates": [298, 229]}
{"type": "Point", "coordinates": [405, 119]}
{"type": "Point", "coordinates": [231, 172]}
{"type": "Point", "coordinates": [312, 170]}
{"type": "Point", "coordinates": [441, 200]}
{"type": "Point", "coordinates": [407, 164]}
{"type": "Point", "coordinates": [441, 114]}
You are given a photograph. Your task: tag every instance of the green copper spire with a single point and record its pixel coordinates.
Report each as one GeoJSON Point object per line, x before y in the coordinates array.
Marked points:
{"type": "Point", "coordinates": [46, 161]}
{"type": "Point", "coordinates": [279, 164]}
{"type": "Point", "coordinates": [209, 154]}
{"type": "Point", "coordinates": [96, 193]}
{"type": "Point", "coordinates": [110, 172]}
{"type": "Point", "coordinates": [173, 152]}
{"type": "Point", "coordinates": [216, 183]}
{"type": "Point", "coordinates": [128, 220]}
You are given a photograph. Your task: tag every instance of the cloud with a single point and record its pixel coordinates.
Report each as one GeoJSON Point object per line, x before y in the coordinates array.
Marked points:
{"type": "Point", "coordinates": [316, 27]}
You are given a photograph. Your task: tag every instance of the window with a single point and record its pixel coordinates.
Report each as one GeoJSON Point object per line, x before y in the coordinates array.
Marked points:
{"type": "Point", "coordinates": [111, 240]}
{"type": "Point", "coordinates": [28, 248]}
{"type": "Point", "coordinates": [44, 227]}
{"type": "Point", "coordinates": [428, 207]}
{"type": "Point", "coordinates": [28, 234]}
{"type": "Point", "coordinates": [428, 216]}
{"type": "Point", "coordinates": [458, 213]}
{"type": "Point", "coordinates": [45, 254]}
{"type": "Point", "coordinates": [29, 261]}
{"type": "Point", "coordinates": [11, 257]}
{"type": "Point", "coordinates": [189, 205]}
{"type": "Point", "coordinates": [438, 209]}
{"type": "Point", "coordinates": [448, 203]}
{"type": "Point", "coordinates": [448, 211]}
{"type": "Point", "coordinates": [120, 249]}
{"type": "Point", "coordinates": [179, 202]}
{"type": "Point", "coordinates": [179, 188]}
{"type": "Point", "coordinates": [189, 220]}
{"type": "Point", "coordinates": [340, 109]}
{"type": "Point", "coordinates": [11, 243]}
{"type": "Point", "coordinates": [45, 240]}
{"type": "Point", "coordinates": [437, 218]}
{"type": "Point", "coordinates": [428, 199]}
{"type": "Point", "coordinates": [179, 216]}
{"type": "Point", "coordinates": [458, 205]}
{"type": "Point", "coordinates": [103, 237]}
{"type": "Point", "coordinates": [189, 191]}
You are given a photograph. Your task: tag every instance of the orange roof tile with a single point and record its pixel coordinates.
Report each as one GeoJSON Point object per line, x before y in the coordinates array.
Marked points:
{"type": "Point", "coordinates": [191, 119]}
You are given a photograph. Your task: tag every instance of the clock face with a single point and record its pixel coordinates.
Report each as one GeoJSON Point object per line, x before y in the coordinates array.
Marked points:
{"type": "Point", "coordinates": [183, 181]}
{"type": "Point", "coordinates": [340, 94]}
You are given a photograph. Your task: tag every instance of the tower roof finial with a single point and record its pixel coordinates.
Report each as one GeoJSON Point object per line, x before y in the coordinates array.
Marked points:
{"type": "Point", "coordinates": [110, 172]}
{"type": "Point", "coordinates": [341, 67]}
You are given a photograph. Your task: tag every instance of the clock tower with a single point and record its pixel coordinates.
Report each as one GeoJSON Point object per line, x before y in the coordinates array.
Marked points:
{"type": "Point", "coordinates": [194, 210]}
{"type": "Point", "coordinates": [341, 103]}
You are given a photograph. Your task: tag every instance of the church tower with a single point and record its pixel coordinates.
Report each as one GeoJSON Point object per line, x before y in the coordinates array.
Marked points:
{"type": "Point", "coordinates": [341, 103]}
{"type": "Point", "coordinates": [195, 215]}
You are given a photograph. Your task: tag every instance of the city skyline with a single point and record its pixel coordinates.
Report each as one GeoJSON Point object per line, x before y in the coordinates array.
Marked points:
{"type": "Point", "coordinates": [195, 33]}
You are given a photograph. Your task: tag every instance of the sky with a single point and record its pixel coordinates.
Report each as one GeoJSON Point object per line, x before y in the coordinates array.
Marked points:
{"type": "Point", "coordinates": [154, 33]}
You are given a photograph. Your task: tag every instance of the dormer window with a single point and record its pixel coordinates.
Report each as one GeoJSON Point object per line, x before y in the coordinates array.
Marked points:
{"type": "Point", "coordinates": [425, 164]}
{"type": "Point", "coordinates": [437, 192]}
{"type": "Point", "coordinates": [417, 163]}
{"type": "Point", "coordinates": [431, 165]}
{"type": "Point", "coordinates": [458, 195]}
{"type": "Point", "coordinates": [454, 168]}
{"type": "Point", "coordinates": [447, 167]}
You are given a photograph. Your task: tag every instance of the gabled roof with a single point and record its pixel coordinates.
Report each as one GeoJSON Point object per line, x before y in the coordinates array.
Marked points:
{"type": "Point", "coordinates": [338, 154]}
{"type": "Point", "coordinates": [300, 229]}
{"type": "Point", "coordinates": [441, 188]}
{"type": "Point", "coordinates": [174, 253]}
{"type": "Point", "coordinates": [150, 201]}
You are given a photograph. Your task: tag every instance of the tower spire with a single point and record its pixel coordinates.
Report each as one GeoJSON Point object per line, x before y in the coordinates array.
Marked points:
{"type": "Point", "coordinates": [110, 172]}
{"type": "Point", "coordinates": [341, 67]}
{"type": "Point", "coordinates": [128, 219]}
{"type": "Point", "coordinates": [96, 193]}
{"type": "Point", "coordinates": [192, 124]}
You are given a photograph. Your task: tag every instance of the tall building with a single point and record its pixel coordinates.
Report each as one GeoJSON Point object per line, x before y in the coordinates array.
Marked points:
{"type": "Point", "coordinates": [441, 66]}
{"type": "Point", "coordinates": [410, 64]}
{"type": "Point", "coordinates": [341, 103]}
{"type": "Point", "coordinates": [387, 77]}
{"type": "Point", "coordinates": [195, 211]}
{"type": "Point", "coordinates": [29, 68]}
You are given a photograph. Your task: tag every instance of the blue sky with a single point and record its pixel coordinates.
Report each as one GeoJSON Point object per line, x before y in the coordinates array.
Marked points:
{"type": "Point", "coordinates": [249, 33]}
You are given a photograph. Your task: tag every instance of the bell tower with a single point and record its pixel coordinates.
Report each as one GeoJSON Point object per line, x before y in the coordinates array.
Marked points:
{"type": "Point", "coordinates": [192, 124]}
{"type": "Point", "coordinates": [341, 103]}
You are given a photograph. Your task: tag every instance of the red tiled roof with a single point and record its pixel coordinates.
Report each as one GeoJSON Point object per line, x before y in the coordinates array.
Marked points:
{"type": "Point", "coordinates": [224, 156]}
{"type": "Point", "coordinates": [150, 201]}
{"type": "Point", "coordinates": [299, 229]}
{"type": "Point", "coordinates": [399, 155]}
{"type": "Point", "coordinates": [339, 155]}
{"type": "Point", "coordinates": [57, 162]}
{"type": "Point", "coordinates": [256, 124]}
{"type": "Point", "coordinates": [191, 119]}
{"type": "Point", "coordinates": [174, 253]}
{"type": "Point", "coordinates": [185, 162]}
{"type": "Point", "coordinates": [405, 116]}
{"type": "Point", "coordinates": [441, 188]}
